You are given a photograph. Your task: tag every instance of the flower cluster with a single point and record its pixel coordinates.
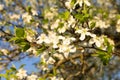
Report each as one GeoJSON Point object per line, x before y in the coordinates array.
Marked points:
{"type": "Point", "coordinates": [58, 34]}
{"type": "Point", "coordinates": [22, 74]}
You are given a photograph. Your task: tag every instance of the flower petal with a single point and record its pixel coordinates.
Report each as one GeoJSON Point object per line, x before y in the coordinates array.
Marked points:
{"type": "Point", "coordinates": [82, 37]}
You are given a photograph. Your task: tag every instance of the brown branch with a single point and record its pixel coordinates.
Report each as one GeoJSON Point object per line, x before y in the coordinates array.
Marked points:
{"type": "Point", "coordinates": [59, 63]}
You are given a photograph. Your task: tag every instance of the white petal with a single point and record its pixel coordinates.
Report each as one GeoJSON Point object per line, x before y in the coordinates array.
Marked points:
{"type": "Point", "coordinates": [55, 46]}
{"type": "Point", "coordinates": [80, 3]}
{"type": "Point", "coordinates": [82, 37]}
{"type": "Point", "coordinates": [73, 50]}
{"type": "Point", "coordinates": [88, 33]}
{"type": "Point", "coordinates": [66, 55]}
{"type": "Point", "coordinates": [87, 3]}
{"type": "Point", "coordinates": [98, 44]}
{"type": "Point", "coordinates": [78, 31]}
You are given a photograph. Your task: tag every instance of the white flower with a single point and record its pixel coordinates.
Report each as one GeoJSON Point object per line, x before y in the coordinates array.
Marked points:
{"type": "Point", "coordinates": [30, 38]}
{"type": "Point", "coordinates": [102, 24]}
{"type": "Point", "coordinates": [33, 50]}
{"type": "Point", "coordinates": [44, 56]}
{"type": "Point", "coordinates": [55, 24]}
{"type": "Point", "coordinates": [26, 17]}
{"type": "Point", "coordinates": [45, 26]}
{"type": "Point", "coordinates": [32, 77]}
{"type": "Point", "coordinates": [68, 4]}
{"type": "Point", "coordinates": [68, 40]}
{"type": "Point", "coordinates": [43, 38]}
{"type": "Point", "coordinates": [97, 40]}
{"type": "Point", "coordinates": [21, 73]}
{"type": "Point", "coordinates": [71, 22]}
{"type": "Point", "coordinates": [87, 3]}
{"type": "Point", "coordinates": [61, 37]}
{"type": "Point", "coordinates": [14, 16]}
{"type": "Point", "coordinates": [80, 2]}
{"type": "Point", "coordinates": [54, 39]}
{"type": "Point", "coordinates": [66, 49]}
{"type": "Point", "coordinates": [83, 32]}
{"type": "Point", "coordinates": [49, 14]}
{"type": "Point", "coordinates": [1, 7]}
{"type": "Point", "coordinates": [44, 68]}
{"type": "Point", "coordinates": [4, 51]}
{"type": "Point", "coordinates": [63, 28]}
{"type": "Point", "coordinates": [50, 61]}
{"type": "Point", "coordinates": [59, 56]}
{"type": "Point", "coordinates": [118, 25]}
{"type": "Point", "coordinates": [12, 79]}
{"type": "Point", "coordinates": [34, 12]}
{"type": "Point", "coordinates": [55, 78]}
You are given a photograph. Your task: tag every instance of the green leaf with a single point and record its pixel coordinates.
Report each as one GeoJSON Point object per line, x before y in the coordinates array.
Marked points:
{"type": "Point", "coordinates": [19, 40]}
{"type": "Point", "coordinates": [19, 32]}
{"type": "Point", "coordinates": [94, 55]}
{"type": "Point", "coordinates": [41, 79]}
{"type": "Point", "coordinates": [40, 50]}
{"type": "Point", "coordinates": [118, 16]}
{"type": "Point", "coordinates": [28, 9]}
{"type": "Point", "coordinates": [92, 25]}
{"type": "Point", "coordinates": [26, 47]}
{"type": "Point", "coordinates": [22, 66]}
{"type": "Point", "coordinates": [13, 68]}
{"type": "Point", "coordinates": [13, 39]}
{"type": "Point", "coordinates": [79, 17]}
{"type": "Point", "coordinates": [104, 56]}
{"type": "Point", "coordinates": [72, 2]}
{"type": "Point", "coordinates": [54, 71]}
{"type": "Point", "coordinates": [8, 71]}
{"type": "Point", "coordinates": [23, 44]}
{"type": "Point", "coordinates": [109, 46]}
{"type": "Point", "coordinates": [64, 15]}
{"type": "Point", "coordinates": [3, 75]}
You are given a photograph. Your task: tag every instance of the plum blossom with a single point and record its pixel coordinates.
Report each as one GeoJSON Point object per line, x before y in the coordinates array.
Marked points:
{"type": "Point", "coordinates": [4, 51]}
{"type": "Point", "coordinates": [55, 24]}
{"type": "Point", "coordinates": [34, 12]}
{"type": "Point", "coordinates": [26, 17]}
{"type": "Point", "coordinates": [66, 49]}
{"type": "Point", "coordinates": [21, 73]}
{"type": "Point", "coordinates": [59, 56]}
{"type": "Point", "coordinates": [80, 2]}
{"type": "Point", "coordinates": [14, 16]}
{"type": "Point", "coordinates": [32, 77]}
{"type": "Point", "coordinates": [71, 22]}
{"type": "Point", "coordinates": [12, 79]}
{"type": "Point", "coordinates": [63, 28]}
{"type": "Point", "coordinates": [50, 61]}
{"type": "Point", "coordinates": [1, 7]}
{"type": "Point", "coordinates": [97, 40]}
{"type": "Point", "coordinates": [83, 32]}
{"type": "Point", "coordinates": [56, 78]}
{"type": "Point", "coordinates": [68, 40]}
{"type": "Point", "coordinates": [44, 56]}
{"type": "Point", "coordinates": [118, 25]}
{"type": "Point", "coordinates": [67, 4]}
{"type": "Point", "coordinates": [50, 14]}
{"type": "Point", "coordinates": [54, 39]}
{"type": "Point", "coordinates": [33, 50]}
{"type": "Point", "coordinates": [42, 38]}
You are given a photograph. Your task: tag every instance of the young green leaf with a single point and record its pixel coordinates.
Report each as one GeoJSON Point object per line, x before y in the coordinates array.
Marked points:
{"type": "Point", "coordinates": [19, 32]}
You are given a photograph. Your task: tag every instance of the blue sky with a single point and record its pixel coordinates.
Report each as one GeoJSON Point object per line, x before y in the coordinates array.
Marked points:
{"type": "Point", "coordinates": [28, 64]}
